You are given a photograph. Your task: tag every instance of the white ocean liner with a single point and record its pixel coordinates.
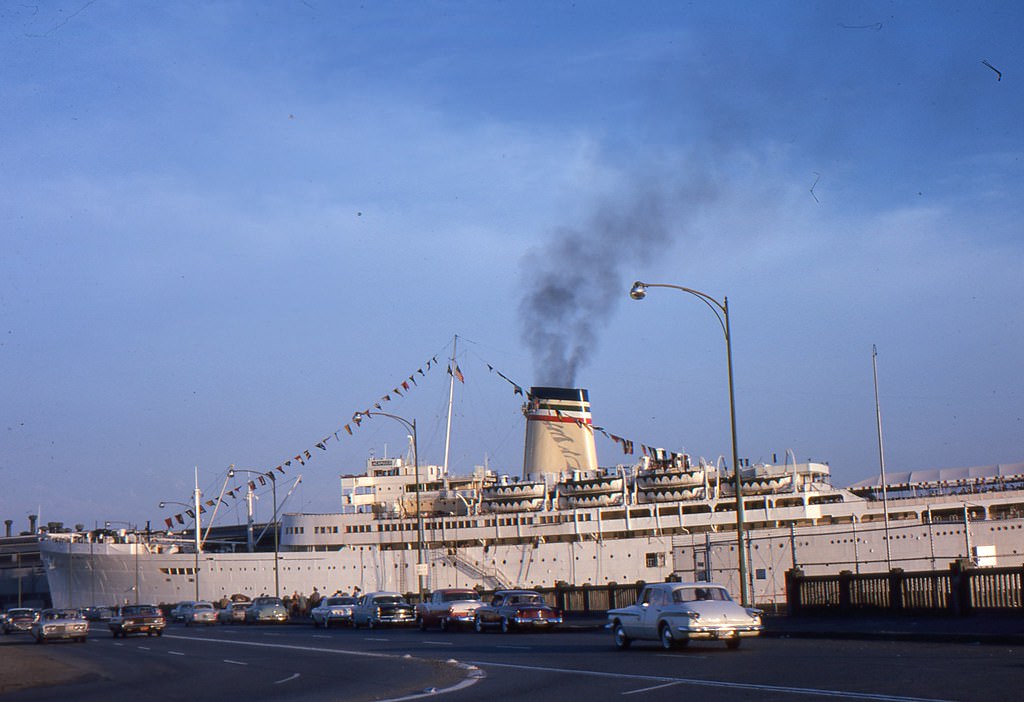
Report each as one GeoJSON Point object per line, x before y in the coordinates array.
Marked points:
{"type": "Point", "coordinates": [566, 520]}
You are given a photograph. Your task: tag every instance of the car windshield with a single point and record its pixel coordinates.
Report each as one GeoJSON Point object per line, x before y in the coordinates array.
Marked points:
{"type": "Point", "coordinates": [202, 605]}
{"type": "Point", "coordinates": [459, 596]}
{"type": "Point", "coordinates": [697, 594]}
{"type": "Point", "coordinates": [334, 601]}
{"type": "Point", "coordinates": [145, 609]}
{"type": "Point", "coordinates": [388, 599]}
{"type": "Point", "coordinates": [526, 599]}
{"type": "Point", "coordinates": [267, 601]}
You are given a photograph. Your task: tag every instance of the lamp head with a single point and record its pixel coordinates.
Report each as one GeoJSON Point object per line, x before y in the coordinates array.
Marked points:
{"type": "Point", "coordinates": [231, 472]}
{"type": "Point", "coordinates": [638, 291]}
{"type": "Point", "coordinates": [162, 505]}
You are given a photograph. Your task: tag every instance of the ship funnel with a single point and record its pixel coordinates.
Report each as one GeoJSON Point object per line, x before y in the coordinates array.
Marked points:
{"type": "Point", "coordinates": [559, 433]}
{"type": "Point", "coordinates": [8, 523]}
{"type": "Point", "coordinates": [32, 523]}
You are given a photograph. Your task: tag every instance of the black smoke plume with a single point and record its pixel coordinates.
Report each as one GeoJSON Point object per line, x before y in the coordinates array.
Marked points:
{"type": "Point", "coordinates": [573, 282]}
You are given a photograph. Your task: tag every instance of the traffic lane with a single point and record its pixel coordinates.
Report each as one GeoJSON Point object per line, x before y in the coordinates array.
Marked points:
{"type": "Point", "coordinates": [777, 668]}
{"type": "Point", "coordinates": [189, 664]}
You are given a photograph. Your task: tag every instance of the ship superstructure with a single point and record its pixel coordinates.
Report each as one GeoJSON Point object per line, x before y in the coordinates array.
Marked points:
{"type": "Point", "coordinates": [566, 520]}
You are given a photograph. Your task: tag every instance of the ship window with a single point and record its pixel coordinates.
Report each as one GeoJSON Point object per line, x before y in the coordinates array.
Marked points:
{"type": "Point", "coordinates": [654, 560]}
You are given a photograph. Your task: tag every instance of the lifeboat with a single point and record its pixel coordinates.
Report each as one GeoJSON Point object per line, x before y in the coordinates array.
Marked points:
{"type": "Point", "coordinates": [512, 496]}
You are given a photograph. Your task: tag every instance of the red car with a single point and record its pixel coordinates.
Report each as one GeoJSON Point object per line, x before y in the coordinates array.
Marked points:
{"type": "Point", "coordinates": [517, 609]}
{"type": "Point", "coordinates": [448, 608]}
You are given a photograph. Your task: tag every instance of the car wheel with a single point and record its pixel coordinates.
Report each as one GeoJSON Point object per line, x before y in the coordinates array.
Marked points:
{"type": "Point", "coordinates": [421, 623]}
{"type": "Point", "coordinates": [665, 634]}
{"type": "Point", "coordinates": [478, 625]}
{"type": "Point", "coordinates": [369, 623]}
{"type": "Point", "coordinates": [622, 641]}
{"type": "Point", "coordinates": [160, 632]}
{"type": "Point", "coordinates": [505, 625]}
{"type": "Point", "coordinates": [733, 644]}
{"type": "Point", "coordinates": [81, 640]}
{"type": "Point", "coordinates": [443, 624]}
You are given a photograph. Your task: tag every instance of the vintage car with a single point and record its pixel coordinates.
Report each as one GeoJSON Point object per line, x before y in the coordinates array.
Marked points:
{"type": "Point", "coordinates": [56, 624]}
{"type": "Point", "coordinates": [137, 619]}
{"type": "Point", "coordinates": [448, 607]}
{"type": "Point", "coordinates": [266, 609]}
{"type": "Point", "coordinates": [97, 614]}
{"type": "Point", "coordinates": [677, 613]}
{"type": "Point", "coordinates": [233, 613]}
{"type": "Point", "coordinates": [177, 613]}
{"type": "Point", "coordinates": [333, 610]}
{"type": "Point", "coordinates": [200, 613]}
{"type": "Point", "coordinates": [382, 608]}
{"type": "Point", "coordinates": [19, 620]}
{"type": "Point", "coordinates": [516, 609]}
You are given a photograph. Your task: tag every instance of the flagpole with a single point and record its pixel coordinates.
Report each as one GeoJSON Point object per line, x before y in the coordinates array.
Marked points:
{"type": "Point", "coordinates": [448, 427]}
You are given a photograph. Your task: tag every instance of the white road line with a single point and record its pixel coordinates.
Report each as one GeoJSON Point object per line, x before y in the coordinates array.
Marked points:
{"type": "Point", "coordinates": [284, 680]}
{"type": "Point", "coordinates": [176, 653]}
{"type": "Point", "coordinates": [648, 689]}
{"type": "Point", "coordinates": [474, 674]}
{"type": "Point", "coordinates": [369, 639]}
{"type": "Point", "coordinates": [715, 683]}
{"type": "Point", "coordinates": [439, 643]}
{"type": "Point", "coordinates": [515, 648]}
{"type": "Point", "coordinates": [144, 648]}
{"type": "Point", "coordinates": [228, 660]}
{"type": "Point", "coordinates": [321, 636]}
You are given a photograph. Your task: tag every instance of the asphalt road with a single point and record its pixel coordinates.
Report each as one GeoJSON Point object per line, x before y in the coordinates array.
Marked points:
{"type": "Point", "coordinates": [292, 663]}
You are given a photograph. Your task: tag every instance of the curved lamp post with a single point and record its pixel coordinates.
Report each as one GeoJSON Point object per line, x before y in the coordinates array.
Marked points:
{"type": "Point", "coordinates": [198, 542]}
{"type": "Point", "coordinates": [273, 489]}
{"type": "Point", "coordinates": [411, 426]}
{"type": "Point", "coordinates": [721, 312]}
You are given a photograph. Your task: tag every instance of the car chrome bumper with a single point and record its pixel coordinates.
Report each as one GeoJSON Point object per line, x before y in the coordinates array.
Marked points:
{"type": "Point", "coordinates": [537, 621]}
{"type": "Point", "coordinates": [718, 632]}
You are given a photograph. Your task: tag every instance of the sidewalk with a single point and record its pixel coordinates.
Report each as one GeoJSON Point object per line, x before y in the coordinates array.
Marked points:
{"type": "Point", "coordinates": [973, 629]}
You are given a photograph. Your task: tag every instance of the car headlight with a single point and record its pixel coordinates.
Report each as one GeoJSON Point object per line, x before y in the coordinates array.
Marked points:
{"type": "Point", "coordinates": [694, 616]}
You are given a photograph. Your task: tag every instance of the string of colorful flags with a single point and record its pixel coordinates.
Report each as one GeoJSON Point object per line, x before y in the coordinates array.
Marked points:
{"type": "Point", "coordinates": [399, 390]}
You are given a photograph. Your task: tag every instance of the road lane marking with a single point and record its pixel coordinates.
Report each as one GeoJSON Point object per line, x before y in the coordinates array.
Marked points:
{"type": "Point", "coordinates": [284, 680]}
{"type": "Point", "coordinates": [648, 689]}
{"type": "Point", "coordinates": [144, 648]}
{"type": "Point", "coordinates": [369, 639]}
{"type": "Point", "coordinates": [514, 648]}
{"type": "Point", "coordinates": [439, 643]}
{"type": "Point", "coordinates": [843, 694]}
{"type": "Point", "coordinates": [473, 673]}
{"type": "Point", "coordinates": [176, 653]}
{"type": "Point", "coordinates": [228, 660]}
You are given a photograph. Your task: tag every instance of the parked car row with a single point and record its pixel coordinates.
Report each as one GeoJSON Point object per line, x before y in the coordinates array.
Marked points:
{"type": "Point", "coordinates": [672, 614]}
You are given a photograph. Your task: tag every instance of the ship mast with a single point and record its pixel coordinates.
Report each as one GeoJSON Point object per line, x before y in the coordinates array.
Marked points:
{"type": "Point", "coordinates": [451, 393]}
{"type": "Point", "coordinates": [881, 457]}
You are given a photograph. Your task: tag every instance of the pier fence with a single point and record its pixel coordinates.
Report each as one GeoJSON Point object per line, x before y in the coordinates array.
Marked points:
{"type": "Point", "coordinates": [961, 590]}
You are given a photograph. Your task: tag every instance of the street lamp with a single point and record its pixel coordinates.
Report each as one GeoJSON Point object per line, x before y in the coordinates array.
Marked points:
{"type": "Point", "coordinates": [273, 489]}
{"type": "Point", "coordinates": [411, 426]}
{"type": "Point", "coordinates": [721, 311]}
{"type": "Point", "coordinates": [197, 547]}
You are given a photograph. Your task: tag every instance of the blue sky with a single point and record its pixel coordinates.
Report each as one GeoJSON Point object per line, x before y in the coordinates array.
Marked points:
{"type": "Point", "coordinates": [228, 226]}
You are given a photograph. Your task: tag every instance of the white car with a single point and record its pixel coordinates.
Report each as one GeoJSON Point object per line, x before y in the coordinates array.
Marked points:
{"type": "Point", "coordinates": [333, 610]}
{"type": "Point", "coordinates": [200, 613]}
{"type": "Point", "coordinates": [677, 613]}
